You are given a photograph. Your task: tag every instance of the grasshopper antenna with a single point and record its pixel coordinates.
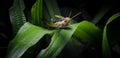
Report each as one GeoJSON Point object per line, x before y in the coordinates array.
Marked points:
{"type": "Point", "coordinates": [70, 14]}
{"type": "Point", "coordinates": [76, 15]}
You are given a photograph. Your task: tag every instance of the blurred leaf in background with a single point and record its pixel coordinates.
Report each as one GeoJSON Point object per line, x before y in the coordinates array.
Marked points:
{"type": "Point", "coordinates": [17, 16]}
{"type": "Point", "coordinates": [105, 40]}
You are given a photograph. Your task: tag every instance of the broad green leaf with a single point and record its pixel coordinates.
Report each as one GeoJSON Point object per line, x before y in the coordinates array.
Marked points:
{"type": "Point", "coordinates": [101, 13]}
{"type": "Point", "coordinates": [59, 40]}
{"type": "Point", "coordinates": [88, 33]}
{"type": "Point", "coordinates": [36, 13]}
{"type": "Point", "coordinates": [27, 36]}
{"type": "Point", "coordinates": [105, 44]}
{"type": "Point", "coordinates": [52, 7]}
{"type": "Point", "coordinates": [17, 16]}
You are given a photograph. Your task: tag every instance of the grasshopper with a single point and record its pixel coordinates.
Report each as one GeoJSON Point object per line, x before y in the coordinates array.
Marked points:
{"type": "Point", "coordinates": [63, 20]}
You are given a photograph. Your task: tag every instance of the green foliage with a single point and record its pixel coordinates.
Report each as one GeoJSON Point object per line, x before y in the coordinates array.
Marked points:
{"type": "Point", "coordinates": [36, 13]}
{"type": "Point", "coordinates": [59, 40]}
{"type": "Point", "coordinates": [88, 32]}
{"type": "Point", "coordinates": [32, 34]}
{"type": "Point", "coordinates": [52, 7]}
{"type": "Point", "coordinates": [29, 34]}
{"type": "Point", "coordinates": [105, 43]}
{"type": "Point", "coordinates": [17, 16]}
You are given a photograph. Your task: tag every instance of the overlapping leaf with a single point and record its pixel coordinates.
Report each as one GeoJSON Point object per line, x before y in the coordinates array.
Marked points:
{"type": "Point", "coordinates": [17, 16]}
{"type": "Point", "coordinates": [88, 33]}
{"type": "Point", "coordinates": [27, 36]}
{"type": "Point", "coordinates": [61, 37]}
{"type": "Point", "coordinates": [52, 7]}
{"type": "Point", "coordinates": [30, 34]}
{"type": "Point", "coordinates": [105, 43]}
{"type": "Point", "coordinates": [36, 13]}
{"type": "Point", "coordinates": [59, 40]}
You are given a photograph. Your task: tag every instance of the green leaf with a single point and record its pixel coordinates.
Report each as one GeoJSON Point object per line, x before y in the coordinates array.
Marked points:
{"type": "Point", "coordinates": [17, 16]}
{"type": "Point", "coordinates": [105, 44]}
{"type": "Point", "coordinates": [36, 13]}
{"type": "Point", "coordinates": [88, 33]}
{"type": "Point", "coordinates": [82, 30]}
{"type": "Point", "coordinates": [52, 7]}
{"type": "Point", "coordinates": [59, 40]}
{"type": "Point", "coordinates": [113, 18]}
{"type": "Point", "coordinates": [27, 36]}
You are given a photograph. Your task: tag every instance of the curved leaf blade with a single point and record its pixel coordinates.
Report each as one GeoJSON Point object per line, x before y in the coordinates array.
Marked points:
{"type": "Point", "coordinates": [17, 16]}
{"type": "Point", "coordinates": [36, 13]}
{"type": "Point", "coordinates": [105, 44]}
{"type": "Point", "coordinates": [113, 18]}
{"type": "Point", "coordinates": [88, 33]}
{"type": "Point", "coordinates": [52, 7]}
{"type": "Point", "coordinates": [27, 36]}
{"type": "Point", "coordinates": [59, 40]}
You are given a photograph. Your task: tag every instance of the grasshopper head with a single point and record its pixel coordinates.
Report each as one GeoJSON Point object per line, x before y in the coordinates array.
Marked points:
{"type": "Point", "coordinates": [67, 19]}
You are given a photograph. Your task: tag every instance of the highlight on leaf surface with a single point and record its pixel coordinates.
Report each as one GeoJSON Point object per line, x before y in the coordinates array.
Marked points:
{"type": "Point", "coordinates": [27, 36]}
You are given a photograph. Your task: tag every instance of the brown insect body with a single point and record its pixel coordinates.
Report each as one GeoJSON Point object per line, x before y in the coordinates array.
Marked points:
{"type": "Point", "coordinates": [65, 20]}
{"type": "Point", "coordinates": [62, 23]}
